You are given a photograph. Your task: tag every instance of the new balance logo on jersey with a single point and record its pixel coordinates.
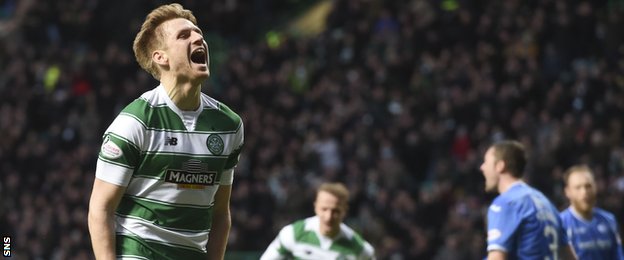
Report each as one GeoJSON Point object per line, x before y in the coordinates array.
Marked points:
{"type": "Point", "coordinates": [171, 141]}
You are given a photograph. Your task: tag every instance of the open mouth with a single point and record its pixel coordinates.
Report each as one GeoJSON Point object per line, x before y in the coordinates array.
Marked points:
{"type": "Point", "coordinates": [199, 56]}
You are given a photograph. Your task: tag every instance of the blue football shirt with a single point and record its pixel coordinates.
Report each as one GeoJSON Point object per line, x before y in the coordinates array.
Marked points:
{"type": "Point", "coordinates": [523, 223]}
{"type": "Point", "coordinates": [597, 238]}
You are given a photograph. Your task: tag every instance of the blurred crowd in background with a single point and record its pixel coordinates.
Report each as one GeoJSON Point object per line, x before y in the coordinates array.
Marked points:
{"type": "Point", "coordinates": [397, 99]}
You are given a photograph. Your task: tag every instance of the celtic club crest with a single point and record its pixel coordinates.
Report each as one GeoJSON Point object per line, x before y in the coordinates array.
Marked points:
{"type": "Point", "coordinates": [215, 144]}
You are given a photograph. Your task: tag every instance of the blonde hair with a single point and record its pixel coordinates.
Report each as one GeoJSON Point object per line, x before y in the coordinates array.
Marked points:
{"type": "Point", "coordinates": [150, 37]}
{"type": "Point", "coordinates": [337, 189]}
{"type": "Point", "coordinates": [576, 168]}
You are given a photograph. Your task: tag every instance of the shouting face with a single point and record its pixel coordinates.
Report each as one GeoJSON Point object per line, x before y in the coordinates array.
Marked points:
{"type": "Point", "coordinates": [491, 169]}
{"type": "Point", "coordinates": [185, 52]}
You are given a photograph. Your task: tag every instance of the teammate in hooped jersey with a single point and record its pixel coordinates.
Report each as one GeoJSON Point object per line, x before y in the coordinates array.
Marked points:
{"type": "Point", "coordinates": [165, 168]}
{"type": "Point", "coordinates": [521, 222]}
{"type": "Point", "coordinates": [592, 231]}
{"type": "Point", "coordinates": [323, 236]}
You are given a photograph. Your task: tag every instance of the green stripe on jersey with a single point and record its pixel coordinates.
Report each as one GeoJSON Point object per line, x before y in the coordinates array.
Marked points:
{"type": "Point", "coordinates": [348, 246]}
{"type": "Point", "coordinates": [223, 120]}
{"type": "Point", "coordinates": [305, 236]}
{"type": "Point", "coordinates": [131, 246]}
{"type": "Point", "coordinates": [144, 112]}
{"type": "Point", "coordinates": [285, 252]}
{"type": "Point", "coordinates": [343, 245]}
{"type": "Point", "coordinates": [163, 118]}
{"type": "Point", "coordinates": [129, 150]}
{"type": "Point", "coordinates": [169, 216]}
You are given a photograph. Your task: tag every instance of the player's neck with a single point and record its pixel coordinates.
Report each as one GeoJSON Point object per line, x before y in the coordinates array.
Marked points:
{"type": "Point", "coordinates": [185, 95]}
{"type": "Point", "coordinates": [328, 232]}
{"type": "Point", "coordinates": [584, 214]}
{"type": "Point", "coordinates": [505, 182]}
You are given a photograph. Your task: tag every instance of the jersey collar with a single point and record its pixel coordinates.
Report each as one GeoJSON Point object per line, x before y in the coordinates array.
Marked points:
{"type": "Point", "coordinates": [578, 216]}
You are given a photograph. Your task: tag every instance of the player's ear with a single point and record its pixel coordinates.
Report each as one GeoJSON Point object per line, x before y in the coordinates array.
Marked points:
{"type": "Point", "coordinates": [160, 57]}
{"type": "Point", "coordinates": [499, 166]}
{"type": "Point", "coordinates": [567, 191]}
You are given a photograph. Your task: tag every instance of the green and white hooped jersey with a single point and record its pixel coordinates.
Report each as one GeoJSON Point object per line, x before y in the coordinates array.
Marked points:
{"type": "Point", "coordinates": [172, 163]}
{"type": "Point", "coordinates": [302, 240]}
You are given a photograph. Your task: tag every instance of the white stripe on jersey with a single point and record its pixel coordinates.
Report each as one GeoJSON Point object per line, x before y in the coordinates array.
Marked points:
{"type": "Point", "coordinates": [113, 173]}
{"type": "Point", "coordinates": [158, 190]}
{"type": "Point", "coordinates": [306, 251]}
{"type": "Point", "coordinates": [189, 143]}
{"type": "Point", "coordinates": [148, 231]}
{"type": "Point", "coordinates": [286, 236]}
{"type": "Point", "coordinates": [130, 128]}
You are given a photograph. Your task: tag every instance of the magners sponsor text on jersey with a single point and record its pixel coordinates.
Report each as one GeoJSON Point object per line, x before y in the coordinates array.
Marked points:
{"type": "Point", "coordinates": [182, 177]}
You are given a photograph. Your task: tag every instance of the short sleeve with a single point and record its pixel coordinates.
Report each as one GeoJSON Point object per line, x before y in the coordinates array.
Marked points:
{"type": "Point", "coordinates": [279, 247]}
{"type": "Point", "coordinates": [503, 222]}
{"type": "Point", "coordinates": [227, 177]}
{"type": "Point", "coordinates": [368, 253]}
{"type": "Point", "coordinates": [120, 153]}
{"type": "Point", "coordinates": [232, 160]}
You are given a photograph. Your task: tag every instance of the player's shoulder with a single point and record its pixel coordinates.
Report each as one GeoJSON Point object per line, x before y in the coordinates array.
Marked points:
{"type": "Point", "coordinates": [141, 106]}
{"type": "Point", "coordinates": [213, 105]}
{"type": "Point", "coordinates": [368, 251]}
{"type": "Point", "coordinates": [501, 204]}
{"type": "Point", "coordinates": [298, 225]}
{"type": "Point", "coordinates": [566, 213]}
{"type": "Point", "coordinates": [507, 198]}
{"type": "Point", "coordinates": [134, 117]}
{"type": "Point", "coordinates": [154, 95]}
{"type": "Point", "coordinates": [567, 217]}
{"type": "Point", "coordinates": [517, 190]}
{"type": "Point", "coordinates": [517, 196]}
{"type": "Point", "coordinates": [349, 232]}
{"type": "Point", "coordinates": [604, 214]}
{"type": "Point", "coordinates": [287, 230]}
{"type": "Point", "coordinates": [366, 248]}
{"type": "Point", "coordinates": [529, 194]}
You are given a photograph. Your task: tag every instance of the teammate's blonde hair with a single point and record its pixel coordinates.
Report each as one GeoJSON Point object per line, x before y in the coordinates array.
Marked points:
{"type": "Point", "coordinates": [576, 168]}
{"type": "Point", "coordinates": [337, 189]}
{"type": "Point", "coordinates": [150, 37]}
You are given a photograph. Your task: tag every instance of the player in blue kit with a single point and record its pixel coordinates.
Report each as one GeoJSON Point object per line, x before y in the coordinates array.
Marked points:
{"type": "Point", "coordinates": [522, 222]}
{"type": "Point", "coordinates": [592, 231]}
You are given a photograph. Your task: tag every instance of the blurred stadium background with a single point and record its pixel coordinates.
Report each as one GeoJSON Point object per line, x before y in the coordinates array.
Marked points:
{"type": "Point", "coordinates": [397, 99]}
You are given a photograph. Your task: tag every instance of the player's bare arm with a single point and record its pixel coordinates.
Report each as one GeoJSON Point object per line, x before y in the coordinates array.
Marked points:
{"type": "Point", "coordinates": [221, 223]}
{"type": "Point", "coordinates": [105, 198]}
{"type": "Point", "coordinates": [497, 255]}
